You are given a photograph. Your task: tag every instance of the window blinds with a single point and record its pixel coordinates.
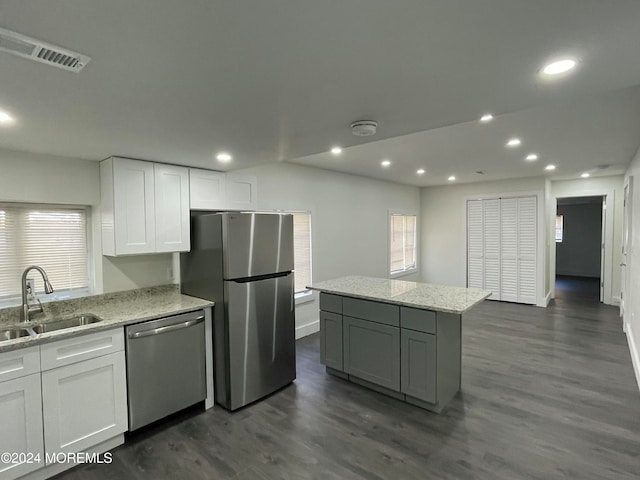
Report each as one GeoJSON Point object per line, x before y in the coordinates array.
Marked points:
{"type": "Point", "coordinates": [53, 238]}
{"type": "Point", "coordinates": [403, 243]}
{"type": "Point", "coordinates": [302, 250]}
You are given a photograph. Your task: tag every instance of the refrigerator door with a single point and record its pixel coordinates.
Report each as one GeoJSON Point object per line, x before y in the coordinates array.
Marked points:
{"type": "Point", "coordinates": [261, 338]}
{"type": "Point", "coordinates": [257, 244]}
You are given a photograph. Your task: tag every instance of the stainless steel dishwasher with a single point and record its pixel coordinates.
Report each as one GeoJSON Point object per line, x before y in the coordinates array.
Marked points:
{"type": "Point", "coordinates": [165, 366]}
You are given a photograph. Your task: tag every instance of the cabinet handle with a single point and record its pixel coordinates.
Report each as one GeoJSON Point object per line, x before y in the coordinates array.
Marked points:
{"type": "Point", "coordinates": [168, 328]}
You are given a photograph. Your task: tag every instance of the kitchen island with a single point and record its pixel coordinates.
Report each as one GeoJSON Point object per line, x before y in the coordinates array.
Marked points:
{"type": "Point", "coordinates": [403, 339]}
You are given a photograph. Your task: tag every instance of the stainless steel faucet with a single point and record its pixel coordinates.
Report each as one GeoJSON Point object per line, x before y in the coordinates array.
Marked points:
{"type": "Point", "coordinates": [26, 309]}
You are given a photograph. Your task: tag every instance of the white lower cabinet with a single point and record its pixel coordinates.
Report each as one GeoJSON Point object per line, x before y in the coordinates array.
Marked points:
{"type": "Point", "coordinates": [21, 421]}
{"type": "Point", "coordinates": [63, 397]}
{"type": "Point", "coordinates": [84, 403]}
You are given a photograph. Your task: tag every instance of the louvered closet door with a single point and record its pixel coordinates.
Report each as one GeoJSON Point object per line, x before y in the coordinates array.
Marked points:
{"type": "Point", "coordinates": [491, 237]}
{"type": "Point", "coordinates": [509, 249]}
{"type": "Point", "coordinates": [527, 249]}
{"type": "Point", "coordinates": [475, 267]}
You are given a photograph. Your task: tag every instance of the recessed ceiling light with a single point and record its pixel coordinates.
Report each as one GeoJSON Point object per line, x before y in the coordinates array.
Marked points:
{"type": "Point", "coordinates": [487, 117]}
{"type": "Point", "coordinates": [385, 163]}
{"type": "Point", "coordinates": [224, 157]}
{"type": "Point", "coordinates": [550, 167]}
{"type": "Point", "coordinates": [420, 171]}
{"type": "Point", "coordinates": [5, 118]}
{"type": "Point", "coordinates": [514, 142]}
{"type": "Point", "coordinates": [451, 178]}
{"type": "Point", "coordinates": [531, 157]}
{"type": "Point", "coordinates": [585, 175]}
{"type": "Point", "coordinates": [559, 66]}
{"type": "Point", "coordinates": [336, 150]}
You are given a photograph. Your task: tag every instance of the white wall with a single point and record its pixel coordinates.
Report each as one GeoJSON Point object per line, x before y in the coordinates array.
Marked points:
{"type": "Point", "coordinates": [632, 298]}
{"type": "Point", "coordinates": [612, 187]}
{"type": "Point", "coordinates": [350, 230]}
{"type": "Point", "coordinates": [34, 178]}
{"type": "Point", "coordinates": [444, 237]}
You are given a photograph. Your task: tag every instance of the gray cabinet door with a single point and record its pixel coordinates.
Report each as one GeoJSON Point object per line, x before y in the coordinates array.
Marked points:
{"type": "Point", "coordinates": [418, 365]}
{"type": "Point", "coordinates": [331, 340]}
{"type": "Point", "coordinates": [372, 352]}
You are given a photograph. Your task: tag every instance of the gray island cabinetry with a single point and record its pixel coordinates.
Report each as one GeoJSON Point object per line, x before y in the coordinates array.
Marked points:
{"type": "Point", "coordinates": [399, 338]}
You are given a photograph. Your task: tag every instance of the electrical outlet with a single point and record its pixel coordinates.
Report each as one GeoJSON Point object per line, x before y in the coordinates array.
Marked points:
{"type": "Point", "coordinates": [31, 285]}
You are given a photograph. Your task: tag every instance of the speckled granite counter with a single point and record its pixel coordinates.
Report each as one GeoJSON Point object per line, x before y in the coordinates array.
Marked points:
{"type": "Point", "coordinates": [115, 309]}
{"type": "Point", "coordinates": [440, 298]}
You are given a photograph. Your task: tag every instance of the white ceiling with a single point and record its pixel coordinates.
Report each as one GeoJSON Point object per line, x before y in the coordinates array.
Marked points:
{"type": "Point", "coordinates": [279, 80]}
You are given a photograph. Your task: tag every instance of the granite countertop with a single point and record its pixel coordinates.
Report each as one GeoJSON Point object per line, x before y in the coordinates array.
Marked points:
{"type": "Point", "coordinates": [115, 309]}
{"type": "Point", "coordinates": [441, 298]}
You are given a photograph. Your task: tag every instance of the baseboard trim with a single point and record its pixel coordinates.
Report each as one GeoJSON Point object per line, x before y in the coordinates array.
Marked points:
{"type": "Point", "coordinates": [547, 299]}
{"type": "Point", "coordinates": [308, 329]}
{"type": "Point", "coordinates": [615, 301]}
{"type": "Point", "coordinates": [635, 358]}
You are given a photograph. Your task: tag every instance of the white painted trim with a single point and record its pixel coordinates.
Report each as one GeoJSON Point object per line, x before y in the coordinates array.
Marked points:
{"type": "Point", "coordinates": [308, 329]}
{"type": "Point", "coordinates": [610, 198]}
{"type": "Point", "coordinates": [615, 301]}
{"type": "Point", "coordinates": [548, 298]}
{"type": "Point", "coordinates": [635, 358]}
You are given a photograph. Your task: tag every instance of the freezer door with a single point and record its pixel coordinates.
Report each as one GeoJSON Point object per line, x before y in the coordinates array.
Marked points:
{"type": "Point", "coordinates": [261, 338]}
{"type": "Point", "coordinates": [257, 244]}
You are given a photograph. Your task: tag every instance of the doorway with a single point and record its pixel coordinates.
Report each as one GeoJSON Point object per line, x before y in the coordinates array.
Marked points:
{"type": "Point", "coordinates": [580, 224]}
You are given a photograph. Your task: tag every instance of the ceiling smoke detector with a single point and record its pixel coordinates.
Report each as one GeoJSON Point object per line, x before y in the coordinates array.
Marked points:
{"type": "Point", "coordinates": [364, 128]}
{"type": "Point", "coordinates": [39, 51]}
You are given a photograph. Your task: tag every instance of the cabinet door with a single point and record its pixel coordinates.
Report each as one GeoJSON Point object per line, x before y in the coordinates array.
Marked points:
{"type": "Point", "coordinates": [133, 205]}
{"type": "Point", "coordinates": [171, 208]}
{"type": "Point", "coordinates": [331, 340]}
{"type": "Point", "coordinates": [242, 192]}
{"type": "Point", "coordinates": [21, 420]}
{"type": "Point", "coordinates": [418, 365]}
{"type": "Point", "coordinates": [475, 245]}
{"type": "Point", "coordinates": [372, 352]}
{"type": "Point", "coordinates": [527, 249]}
{"type": "Point", "coordinates": [207, 190]}
{"type": "Point", "coordinates": [84, 403]}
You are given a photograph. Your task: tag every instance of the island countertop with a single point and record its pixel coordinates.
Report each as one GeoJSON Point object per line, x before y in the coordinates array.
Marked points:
{"type": "Point", "coordinates": [440, 298]}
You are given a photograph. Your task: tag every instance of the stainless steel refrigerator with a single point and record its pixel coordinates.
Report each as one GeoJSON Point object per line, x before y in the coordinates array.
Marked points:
{"type": "Point", "coordinates": [244, 262]}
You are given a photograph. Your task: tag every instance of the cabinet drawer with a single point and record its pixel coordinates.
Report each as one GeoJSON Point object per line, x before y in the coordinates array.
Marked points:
{"type": "Point", "coordinates": [374, 311]}
{"type": "Point", "coordinates": [330, 303]}
{"type": "Point", "coordinates": [419, 320]}
{"type": "Point", "coordinates": [18, 363]}
{"type": "Point", "coordinates": [76, 349]}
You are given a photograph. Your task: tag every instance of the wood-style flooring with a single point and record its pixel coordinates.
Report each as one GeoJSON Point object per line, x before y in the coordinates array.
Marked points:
{"type": "Point", "coordinates": [547, 394]}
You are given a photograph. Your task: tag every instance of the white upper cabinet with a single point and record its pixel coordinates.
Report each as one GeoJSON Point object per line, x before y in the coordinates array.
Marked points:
{"type": "Point", "coordinates": [211, 190]}
{"type": "Point", "coordinates": [242, 192]}
{"type": "Point", "coordinates": [172, 208]}
{"type": "Point", "coordinates": [207, 189]}
{"type": "Point", "coordinates": [145, 207]}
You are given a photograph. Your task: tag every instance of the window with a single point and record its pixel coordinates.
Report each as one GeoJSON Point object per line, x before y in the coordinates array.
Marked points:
{"type": "Point", "coordinates": [302, 252]}
{"type": "Point", "coordinates": [402, 245]}
{"type": "Point", "coordinates": [559, 228]}
{"type": "Point", "coordinates": [52, 237]}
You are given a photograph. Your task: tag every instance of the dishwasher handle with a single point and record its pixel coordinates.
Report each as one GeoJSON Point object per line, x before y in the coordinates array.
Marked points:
{"type": "Point", "coordinates": [166, 329]}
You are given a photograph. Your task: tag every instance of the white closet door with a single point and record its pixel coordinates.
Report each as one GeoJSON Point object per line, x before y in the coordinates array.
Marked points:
{"type": "Point", "coordinates": [491, 224]}
{"type": "Point", "coordinates": [475, 248]}
{"type": "Point", "coordinates": [527, 249]}
{"type": "Point", "coordinates": [509, 249]}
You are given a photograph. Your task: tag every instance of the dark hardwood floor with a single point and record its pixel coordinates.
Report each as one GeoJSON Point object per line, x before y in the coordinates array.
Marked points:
{"type": "Point", "coordinates": [547, 394]}
{"type": "Point", "coordinates": [577, 288]}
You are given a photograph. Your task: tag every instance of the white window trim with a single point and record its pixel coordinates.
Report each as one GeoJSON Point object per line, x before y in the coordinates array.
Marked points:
{"type": "Point", "coordinates": [56, 296]}
{"type": "Point", "coordinates": [408, 271]}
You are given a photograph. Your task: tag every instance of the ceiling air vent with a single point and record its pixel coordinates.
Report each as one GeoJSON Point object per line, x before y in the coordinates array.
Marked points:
{"type": "Point", "coordinates": [27, 47]}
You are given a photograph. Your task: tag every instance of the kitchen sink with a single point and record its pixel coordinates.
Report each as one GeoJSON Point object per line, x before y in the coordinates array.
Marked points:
{"type": "Point", "coordinates": [78, 321]}
{"type": "Point", "coordinates": [12, 333]}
